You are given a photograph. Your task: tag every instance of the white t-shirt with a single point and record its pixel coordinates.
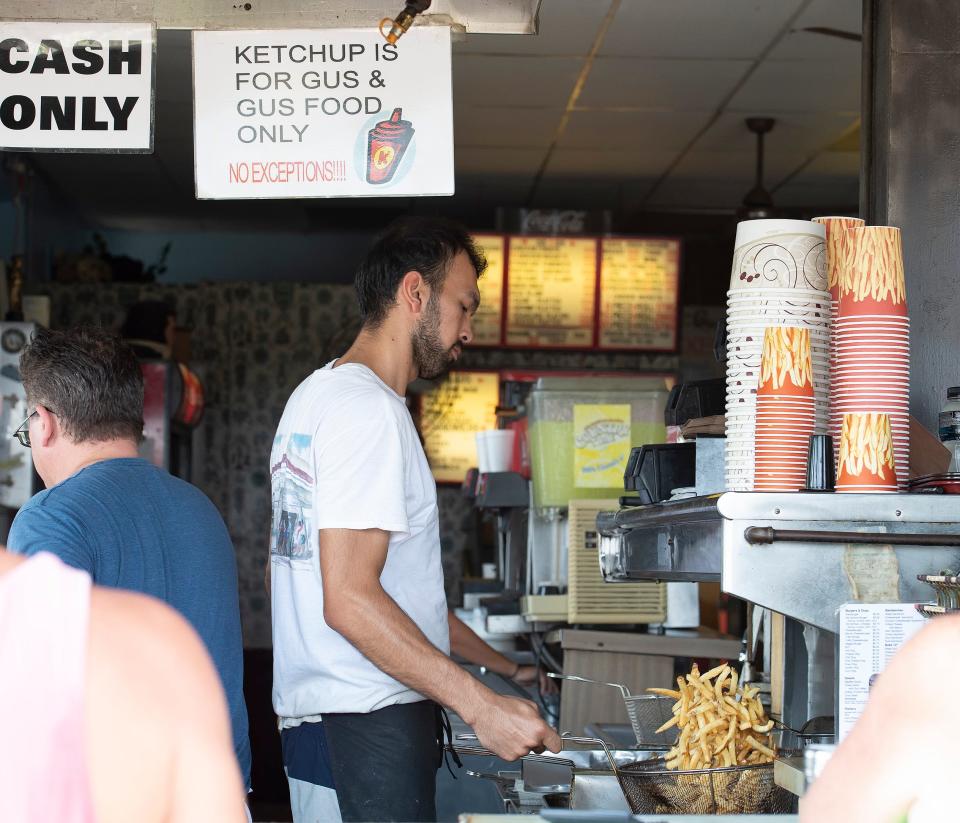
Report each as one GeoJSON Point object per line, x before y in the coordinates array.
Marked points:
{"type": "Point", "coordinates": [347, 456]}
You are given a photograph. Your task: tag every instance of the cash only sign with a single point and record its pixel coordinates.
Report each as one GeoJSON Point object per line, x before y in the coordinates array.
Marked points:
{"type": "Point", "coordinates": [76, 86]}
{"type": "Point", "coordinates": [322, 113]}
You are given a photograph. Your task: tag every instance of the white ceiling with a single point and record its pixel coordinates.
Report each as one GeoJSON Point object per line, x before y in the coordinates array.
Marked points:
{"type": "Point", "coordinates": [624, 104]}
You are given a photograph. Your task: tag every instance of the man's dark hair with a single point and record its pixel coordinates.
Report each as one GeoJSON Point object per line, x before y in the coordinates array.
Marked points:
{"type": "Point", "coordinates": [423, 244]}
{"type": "Point", "coordinates": [89, 378]}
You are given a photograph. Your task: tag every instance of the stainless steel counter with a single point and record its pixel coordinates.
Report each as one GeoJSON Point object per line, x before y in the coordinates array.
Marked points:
{"type": "Point", "coordinates": [679, 541]}
{"type": "Point", "coordinates": [721, 537]}
{"type": "Point", "coordinates": [809, 579]}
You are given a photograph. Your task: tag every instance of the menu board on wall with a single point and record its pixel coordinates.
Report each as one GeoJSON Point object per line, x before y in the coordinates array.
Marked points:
{"type": "Point", "coordinates": [450, 417]}
{"type": "Point", "coordinates": [638, 293]}
{"type": "Point", "coordinates": [487, 322]}
{"type": "Point", "coordinates": [551, 286]}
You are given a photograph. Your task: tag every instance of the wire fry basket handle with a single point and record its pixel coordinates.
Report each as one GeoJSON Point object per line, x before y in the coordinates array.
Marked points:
{"type": "Point", "coordinates": [480, 750]}
{"type": "Point", "coordinates": [589, 741]}
{"type": "Point", "coordinates": [565, 738]}
{"type": "Point", "coordinates": [577, 679]}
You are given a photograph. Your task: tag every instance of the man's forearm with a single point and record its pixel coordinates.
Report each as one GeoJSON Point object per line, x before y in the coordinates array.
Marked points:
{"type": "Point", "coordinates": [373, 622]}
{"type": "Point", "coordinates": [465, 643]}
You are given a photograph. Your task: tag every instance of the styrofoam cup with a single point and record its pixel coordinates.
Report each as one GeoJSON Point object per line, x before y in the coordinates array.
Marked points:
{"type": "Point", "coordinates": [495, 450]}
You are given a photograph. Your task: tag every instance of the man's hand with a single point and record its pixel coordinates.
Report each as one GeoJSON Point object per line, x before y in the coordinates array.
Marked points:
{"type": "Point", "coordinates": [528, 676]}
{"type": "Point", "coordinates": [465, 643]}
{"type": "Point", "coordinates": [512, 728]}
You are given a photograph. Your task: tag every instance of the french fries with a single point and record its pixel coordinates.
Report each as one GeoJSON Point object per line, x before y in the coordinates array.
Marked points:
{"type": "Point", "coordinates": [786, 353]}
{"type": "Point", "coordinates": [719, 721]}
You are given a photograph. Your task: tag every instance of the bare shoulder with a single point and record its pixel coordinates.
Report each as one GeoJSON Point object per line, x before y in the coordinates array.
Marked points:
{"type": "Point", "coordinates": [139, 612]}
{"type": "Point", "coordinates": [158, 731]}
{"type": "Point", "coordinates": [150, 643]}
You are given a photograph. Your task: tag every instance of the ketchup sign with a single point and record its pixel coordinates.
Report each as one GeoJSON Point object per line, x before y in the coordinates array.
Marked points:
{"type": "Point", "coordinates": [386, 144]}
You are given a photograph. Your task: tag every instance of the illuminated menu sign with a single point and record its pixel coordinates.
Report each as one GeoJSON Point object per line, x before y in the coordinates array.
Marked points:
{"type": "Point", "coordinates": [488, 319]}
{"type": "Point", "coordinates": [638, 293]}
{"type": "Point", "coordinates": [450, 417]}
{"type": "Point", "coordinates": [551, 286]}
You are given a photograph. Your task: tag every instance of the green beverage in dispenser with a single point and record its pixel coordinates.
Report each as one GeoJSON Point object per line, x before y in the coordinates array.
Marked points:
{"type": "Point", "coordinates": [581, 431]}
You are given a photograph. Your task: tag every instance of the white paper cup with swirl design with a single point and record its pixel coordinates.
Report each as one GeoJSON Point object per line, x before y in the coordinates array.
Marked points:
{"type": "Point", "coordinates": [779, 254]}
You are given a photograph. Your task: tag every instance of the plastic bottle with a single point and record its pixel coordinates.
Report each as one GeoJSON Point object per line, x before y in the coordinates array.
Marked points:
{"type": "Point", "coordinates": [950, 426]}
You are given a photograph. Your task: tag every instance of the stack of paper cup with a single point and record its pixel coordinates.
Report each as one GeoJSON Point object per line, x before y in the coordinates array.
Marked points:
{"type": "Point", "coordinates": [785, 410]}
{"type": "Point", "coordinates": [494, 450]}
{"type": "Point", "coordinates": [871, 373]}
{"type": "Point", "coordinates": [838, 242]}
{"type": "Point", "coordinates": [779, 279]}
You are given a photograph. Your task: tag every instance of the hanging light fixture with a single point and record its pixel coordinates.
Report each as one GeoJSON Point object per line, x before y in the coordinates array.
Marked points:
{"type": "Point", "coordinates": [758, 202]}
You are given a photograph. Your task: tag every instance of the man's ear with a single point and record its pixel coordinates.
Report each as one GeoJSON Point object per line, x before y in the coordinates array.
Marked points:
{"type": "Point", "coordinates": [413, 293]}
{"type": "Point", "coordinates": [46, 429]}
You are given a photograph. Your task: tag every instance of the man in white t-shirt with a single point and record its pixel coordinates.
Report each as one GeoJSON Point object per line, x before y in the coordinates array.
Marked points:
{"type": "Point", "coordinates": [360, 634]}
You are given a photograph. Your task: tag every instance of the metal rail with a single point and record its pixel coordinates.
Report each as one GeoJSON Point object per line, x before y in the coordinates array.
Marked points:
{"type": "Point", "coordinates": [764, 535]}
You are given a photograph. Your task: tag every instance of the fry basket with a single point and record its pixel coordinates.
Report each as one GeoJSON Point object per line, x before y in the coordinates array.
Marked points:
{"type": "Point", "coordinates": [647, 712]}
{"type": "Point", "coordinates": [651, 788]}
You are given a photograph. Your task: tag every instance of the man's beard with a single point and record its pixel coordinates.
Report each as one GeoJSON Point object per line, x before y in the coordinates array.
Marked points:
{"type": "Point", "coordinates": [430, 357]}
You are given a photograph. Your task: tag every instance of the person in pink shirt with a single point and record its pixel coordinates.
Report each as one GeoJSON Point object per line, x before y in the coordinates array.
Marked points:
{"type": "Point", "coordinates": [110, 708]}
{"type": "Point", "coordinates": [901, 757]}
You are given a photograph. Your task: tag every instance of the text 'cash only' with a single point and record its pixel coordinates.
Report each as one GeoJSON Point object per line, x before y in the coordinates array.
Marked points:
{"type": "Point", "coordinates": [54, 112]}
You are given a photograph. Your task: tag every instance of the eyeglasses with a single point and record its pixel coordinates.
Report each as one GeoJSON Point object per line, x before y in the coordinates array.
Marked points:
{"type": "Point", "coordinates": [23, 430]}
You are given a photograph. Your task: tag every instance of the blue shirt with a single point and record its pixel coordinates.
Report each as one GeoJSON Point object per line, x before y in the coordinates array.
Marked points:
{"type": "Point", "coordinates": [133, 526]}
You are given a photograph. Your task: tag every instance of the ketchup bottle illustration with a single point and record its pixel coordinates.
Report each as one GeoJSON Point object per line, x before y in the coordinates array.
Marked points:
{"type": "Point", "coordinates": [386, 144]}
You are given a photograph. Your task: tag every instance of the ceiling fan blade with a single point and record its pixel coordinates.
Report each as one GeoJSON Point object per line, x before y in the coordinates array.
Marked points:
{"type": "Point", "coordinates": [830, 32]}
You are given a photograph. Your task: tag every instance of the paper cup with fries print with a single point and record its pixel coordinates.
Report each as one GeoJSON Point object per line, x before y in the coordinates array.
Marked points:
{"type": "Point", "coordinates": [838, 241]}
{"type": "Point", "coordinates": [786, 369]}
{"type": "Point", "coordinates": [785, 416]}
{"type": "Point", "coordinates": [838, 245]}
{"type": "Point", "coordinates": [872, 282]}
{"type": "Point", "coordinates": [866, 461]}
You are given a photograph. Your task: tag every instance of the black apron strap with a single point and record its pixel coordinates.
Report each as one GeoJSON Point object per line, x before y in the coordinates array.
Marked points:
{"type": "Point", "coordinates": [445, 736]}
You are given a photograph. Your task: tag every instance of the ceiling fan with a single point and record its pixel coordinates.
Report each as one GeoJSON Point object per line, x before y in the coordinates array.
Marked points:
{"type": "Point", "coordinates": [758, 202]}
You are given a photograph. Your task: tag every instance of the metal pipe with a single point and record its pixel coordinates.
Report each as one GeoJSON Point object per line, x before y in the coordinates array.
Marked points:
{"type": "Point", "coordinates": [764, 535]}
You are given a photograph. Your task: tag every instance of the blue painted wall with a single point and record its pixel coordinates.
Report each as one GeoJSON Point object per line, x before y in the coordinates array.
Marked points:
{"type": "Point", "coordinates": [206, 256]}
{"type": "Point", "coordinates": [197, 256]}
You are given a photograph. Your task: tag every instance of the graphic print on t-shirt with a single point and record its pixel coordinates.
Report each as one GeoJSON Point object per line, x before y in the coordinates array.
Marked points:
{"type": "Point", "coordinates": [292, 484]}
